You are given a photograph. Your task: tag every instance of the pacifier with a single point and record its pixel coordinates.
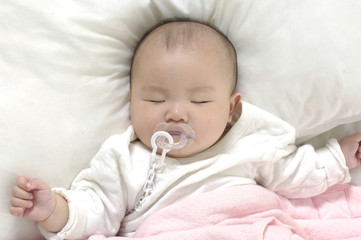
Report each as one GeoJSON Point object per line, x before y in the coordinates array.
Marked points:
{"type": "Point", "coordinates": [168, 136]}
{"type": "Point", "coordinates": [163, 137]}
{"type": "Point", "coordinates": [181, 133]}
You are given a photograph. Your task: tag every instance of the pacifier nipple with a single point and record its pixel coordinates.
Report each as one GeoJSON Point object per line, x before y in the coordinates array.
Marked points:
{"type": "Point", "coordinates": [181, 133]}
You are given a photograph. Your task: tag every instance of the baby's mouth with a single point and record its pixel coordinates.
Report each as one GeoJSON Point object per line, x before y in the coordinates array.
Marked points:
{"type": "Point", "coordinates": [174, 132]}
{"type": "Point", "coordinates": [182, 134]}
{"type": "Point", "coordinates": [176, 135]}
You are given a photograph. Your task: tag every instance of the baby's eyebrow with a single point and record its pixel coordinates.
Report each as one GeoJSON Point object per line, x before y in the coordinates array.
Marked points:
{"type": "Point", "coordinates": [152, 88]}
{"type": "Point", "coordinates": [202, 89]}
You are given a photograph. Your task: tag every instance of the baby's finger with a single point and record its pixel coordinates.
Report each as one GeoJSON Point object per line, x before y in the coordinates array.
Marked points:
{"type": "Point", "coordinates": [17, 202]}
{"type": "Point", "coordinates": [17, 211]}
{"type": "Point", "coordinates": [23, 182]}
{"type": "Point", "coordinates": [21, 193]}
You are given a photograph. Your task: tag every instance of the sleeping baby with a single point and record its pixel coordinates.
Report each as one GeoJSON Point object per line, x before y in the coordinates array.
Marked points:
{"type": "Point", "coordinates": [190, 122]}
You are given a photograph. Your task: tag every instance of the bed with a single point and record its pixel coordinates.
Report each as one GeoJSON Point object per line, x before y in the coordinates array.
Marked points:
{"type": "Point", "coordinates": [64, 76]}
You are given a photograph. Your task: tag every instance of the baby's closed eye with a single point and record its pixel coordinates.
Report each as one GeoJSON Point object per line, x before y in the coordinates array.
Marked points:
{"type": "Point", "coordinates": [201, 101]}
{"type": "Point", "coordinates": [154, 100]}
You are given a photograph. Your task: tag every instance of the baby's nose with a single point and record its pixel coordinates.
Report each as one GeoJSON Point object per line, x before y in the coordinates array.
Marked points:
{"type": "Point", "coordinates": [177, 113]}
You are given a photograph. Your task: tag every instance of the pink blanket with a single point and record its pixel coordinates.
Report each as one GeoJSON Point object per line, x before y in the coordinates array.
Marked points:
{"type": "Point", "coordinates": [252, 212]}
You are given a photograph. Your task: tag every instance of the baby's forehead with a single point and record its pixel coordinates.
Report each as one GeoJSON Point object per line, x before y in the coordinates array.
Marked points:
{"type": "Point", "coordinates": [183, 35]}
{"type": "Point", "coordinates": [187, 35]}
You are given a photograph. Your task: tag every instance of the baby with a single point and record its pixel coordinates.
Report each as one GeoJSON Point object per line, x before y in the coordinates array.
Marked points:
{"type": "Point", "coordinates": [183, 78]}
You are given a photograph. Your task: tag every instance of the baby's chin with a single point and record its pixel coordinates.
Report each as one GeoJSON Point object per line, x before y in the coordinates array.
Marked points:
{"type": "Point", "coordinates": [182, 153]}
{"type": "Point", "coordinates": [178, 154]}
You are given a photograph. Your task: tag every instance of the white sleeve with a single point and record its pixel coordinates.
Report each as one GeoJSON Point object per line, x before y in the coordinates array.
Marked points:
{"type": "Point", "coordinates": [305, 172]}
{"type": "Point", "coordinates": [96, 199]}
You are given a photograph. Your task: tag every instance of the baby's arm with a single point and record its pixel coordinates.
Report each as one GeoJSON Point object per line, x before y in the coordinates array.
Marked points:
{"type": "Point", "coordinates": [351, 148]}
{"type": "Point", "coordinates": [34, 199]}
{"type": "Point", "coordinates": [305, 172]}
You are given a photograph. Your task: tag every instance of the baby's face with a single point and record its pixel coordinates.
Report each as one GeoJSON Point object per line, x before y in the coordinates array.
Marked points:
{"type": "Point", "coordinates": [191, 86]}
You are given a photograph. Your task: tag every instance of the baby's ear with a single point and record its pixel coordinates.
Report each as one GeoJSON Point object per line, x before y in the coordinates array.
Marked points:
{"type": "Point", "coordinates": [234, 102]}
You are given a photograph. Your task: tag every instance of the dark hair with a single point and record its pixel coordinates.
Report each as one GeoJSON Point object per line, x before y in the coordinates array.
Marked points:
{"type": "Point", "coordinates": [173, 40]}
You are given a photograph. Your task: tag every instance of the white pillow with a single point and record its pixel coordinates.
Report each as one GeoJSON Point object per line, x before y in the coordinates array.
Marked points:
{"type": "Point", "coordinates": [297, 59]}
{"type": "Point", "coordinates": [64, 74]}
{"type": "Point", "coordinates": [63, 89]}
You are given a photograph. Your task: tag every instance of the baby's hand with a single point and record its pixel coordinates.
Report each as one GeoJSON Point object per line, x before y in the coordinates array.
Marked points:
{"type": "Point", "coordinates": [32, 199]}
{"type": "Point", "coordinates": [351, 148]}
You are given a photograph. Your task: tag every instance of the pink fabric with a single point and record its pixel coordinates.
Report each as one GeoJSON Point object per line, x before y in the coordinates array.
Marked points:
{"type": "Point", "coordinates": [252, 212]}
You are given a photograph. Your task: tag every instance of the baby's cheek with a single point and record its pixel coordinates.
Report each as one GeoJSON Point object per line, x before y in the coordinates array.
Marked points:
{"type": "Point", "coordinates": [210, 122]}
{"type": "Point", "coordinates": [213, 128]}
{"type": "Point", "coordinates": [214, 119]}
{"type": "Point", "coordinates": [216, 122]}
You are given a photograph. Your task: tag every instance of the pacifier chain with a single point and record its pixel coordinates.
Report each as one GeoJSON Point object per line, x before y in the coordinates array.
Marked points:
{"type": "Point", "coordinates": [162, 138]}
{"type": "Point", "coordinates": [158, 138]}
